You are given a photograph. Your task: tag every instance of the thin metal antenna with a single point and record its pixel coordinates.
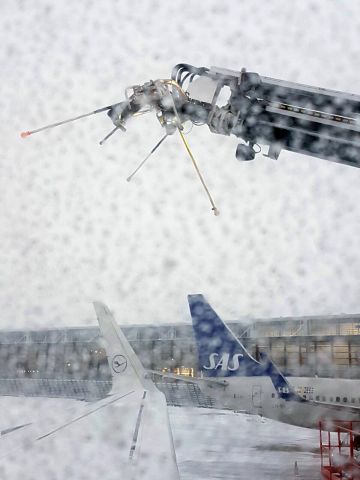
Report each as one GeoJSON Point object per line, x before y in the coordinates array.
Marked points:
{"type": "Point", "coordinates": [148, 156]}
{"type": "Point", "coordinates": [52, 125]}
{"type": "Point", "coordinates": [109, 135]}
{"type": "Point", "coordinates": [214, 209]}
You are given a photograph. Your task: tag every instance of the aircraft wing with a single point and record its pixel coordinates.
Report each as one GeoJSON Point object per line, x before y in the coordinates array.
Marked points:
{"type": "Point", "coordinates": [133, 419]}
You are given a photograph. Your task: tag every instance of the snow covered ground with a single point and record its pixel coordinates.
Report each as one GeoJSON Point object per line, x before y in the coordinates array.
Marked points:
{"type": "Point", "coordinates": [216, 444]}
{"type": "Point", "coordinates": [210, 444]}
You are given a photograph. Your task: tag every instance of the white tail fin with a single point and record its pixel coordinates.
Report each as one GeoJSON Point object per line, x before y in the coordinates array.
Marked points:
{"type": "Point", "coordinates": [152, 453]}
{"type": "Point", "coordinates": [125, 367]}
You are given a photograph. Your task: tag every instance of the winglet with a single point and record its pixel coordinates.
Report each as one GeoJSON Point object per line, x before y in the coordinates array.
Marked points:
{"type": "Point", "coordinates": [126, 369]}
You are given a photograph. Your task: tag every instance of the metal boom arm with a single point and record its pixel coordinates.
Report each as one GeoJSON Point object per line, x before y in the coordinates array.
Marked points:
{"type": "Point", "coordinates": [261, 110]}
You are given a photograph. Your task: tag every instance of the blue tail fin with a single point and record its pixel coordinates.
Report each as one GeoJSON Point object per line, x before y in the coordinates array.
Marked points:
{"type": "Point", "coordinates": [220, 353]}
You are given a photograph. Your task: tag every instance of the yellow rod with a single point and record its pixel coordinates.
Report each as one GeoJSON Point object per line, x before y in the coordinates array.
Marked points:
{"type": "Point", "coordinates": [214, 209]}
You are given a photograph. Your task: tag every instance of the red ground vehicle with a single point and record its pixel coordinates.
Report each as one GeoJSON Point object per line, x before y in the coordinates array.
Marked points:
{"type": "Point", "coordinates": [340, 450]}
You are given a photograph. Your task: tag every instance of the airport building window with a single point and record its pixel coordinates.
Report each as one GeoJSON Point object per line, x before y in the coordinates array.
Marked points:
{"type": "Point", "coordinates": [341, 354]}
{"type": "Point", "coordinates": [317, 398]}
{"type": "Point", "coordinates": [292, 353]}
{"type": "Point", "coordinates": [345, 399]}
{"type": "Point", "coordinates": [278, 351]}
{"type": "Point", "coordinates": [319, 327]}
{"type": "Point", "coordinates": [354, 353]}
{"type": "Point", "coordinates": [350, 328]}
{"type": "Point", "coordinates": [186, 371]}
{"type": "Point", "coordinates": [338, 399]}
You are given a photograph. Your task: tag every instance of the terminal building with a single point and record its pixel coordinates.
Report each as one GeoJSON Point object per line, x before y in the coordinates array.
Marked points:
{"type": "Point", "coordinates": [72, 362]}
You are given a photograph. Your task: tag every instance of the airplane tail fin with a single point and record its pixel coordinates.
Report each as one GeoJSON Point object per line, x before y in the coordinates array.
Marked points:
{"type": "Point", "coordinates": [220, 353]}
{"type": "Point", "coordinates": [126, 369]}
{"type": "Point", "coordinates": [152, 448]}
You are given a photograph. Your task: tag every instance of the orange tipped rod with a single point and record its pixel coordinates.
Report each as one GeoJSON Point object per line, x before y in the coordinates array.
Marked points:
{"type": "Point", "coordinates": [52, 125]}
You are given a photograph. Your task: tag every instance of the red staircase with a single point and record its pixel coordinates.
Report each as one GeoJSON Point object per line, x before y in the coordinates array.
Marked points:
{"type": "Point", "coordinates": [340, 450]}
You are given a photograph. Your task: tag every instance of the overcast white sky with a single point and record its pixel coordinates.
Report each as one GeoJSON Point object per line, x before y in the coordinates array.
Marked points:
{"type": "Point", "coordinates": [73, 230]}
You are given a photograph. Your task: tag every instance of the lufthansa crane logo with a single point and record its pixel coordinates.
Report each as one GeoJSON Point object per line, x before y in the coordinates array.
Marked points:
{"type": "Point", "coordinates": [119, 363]}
